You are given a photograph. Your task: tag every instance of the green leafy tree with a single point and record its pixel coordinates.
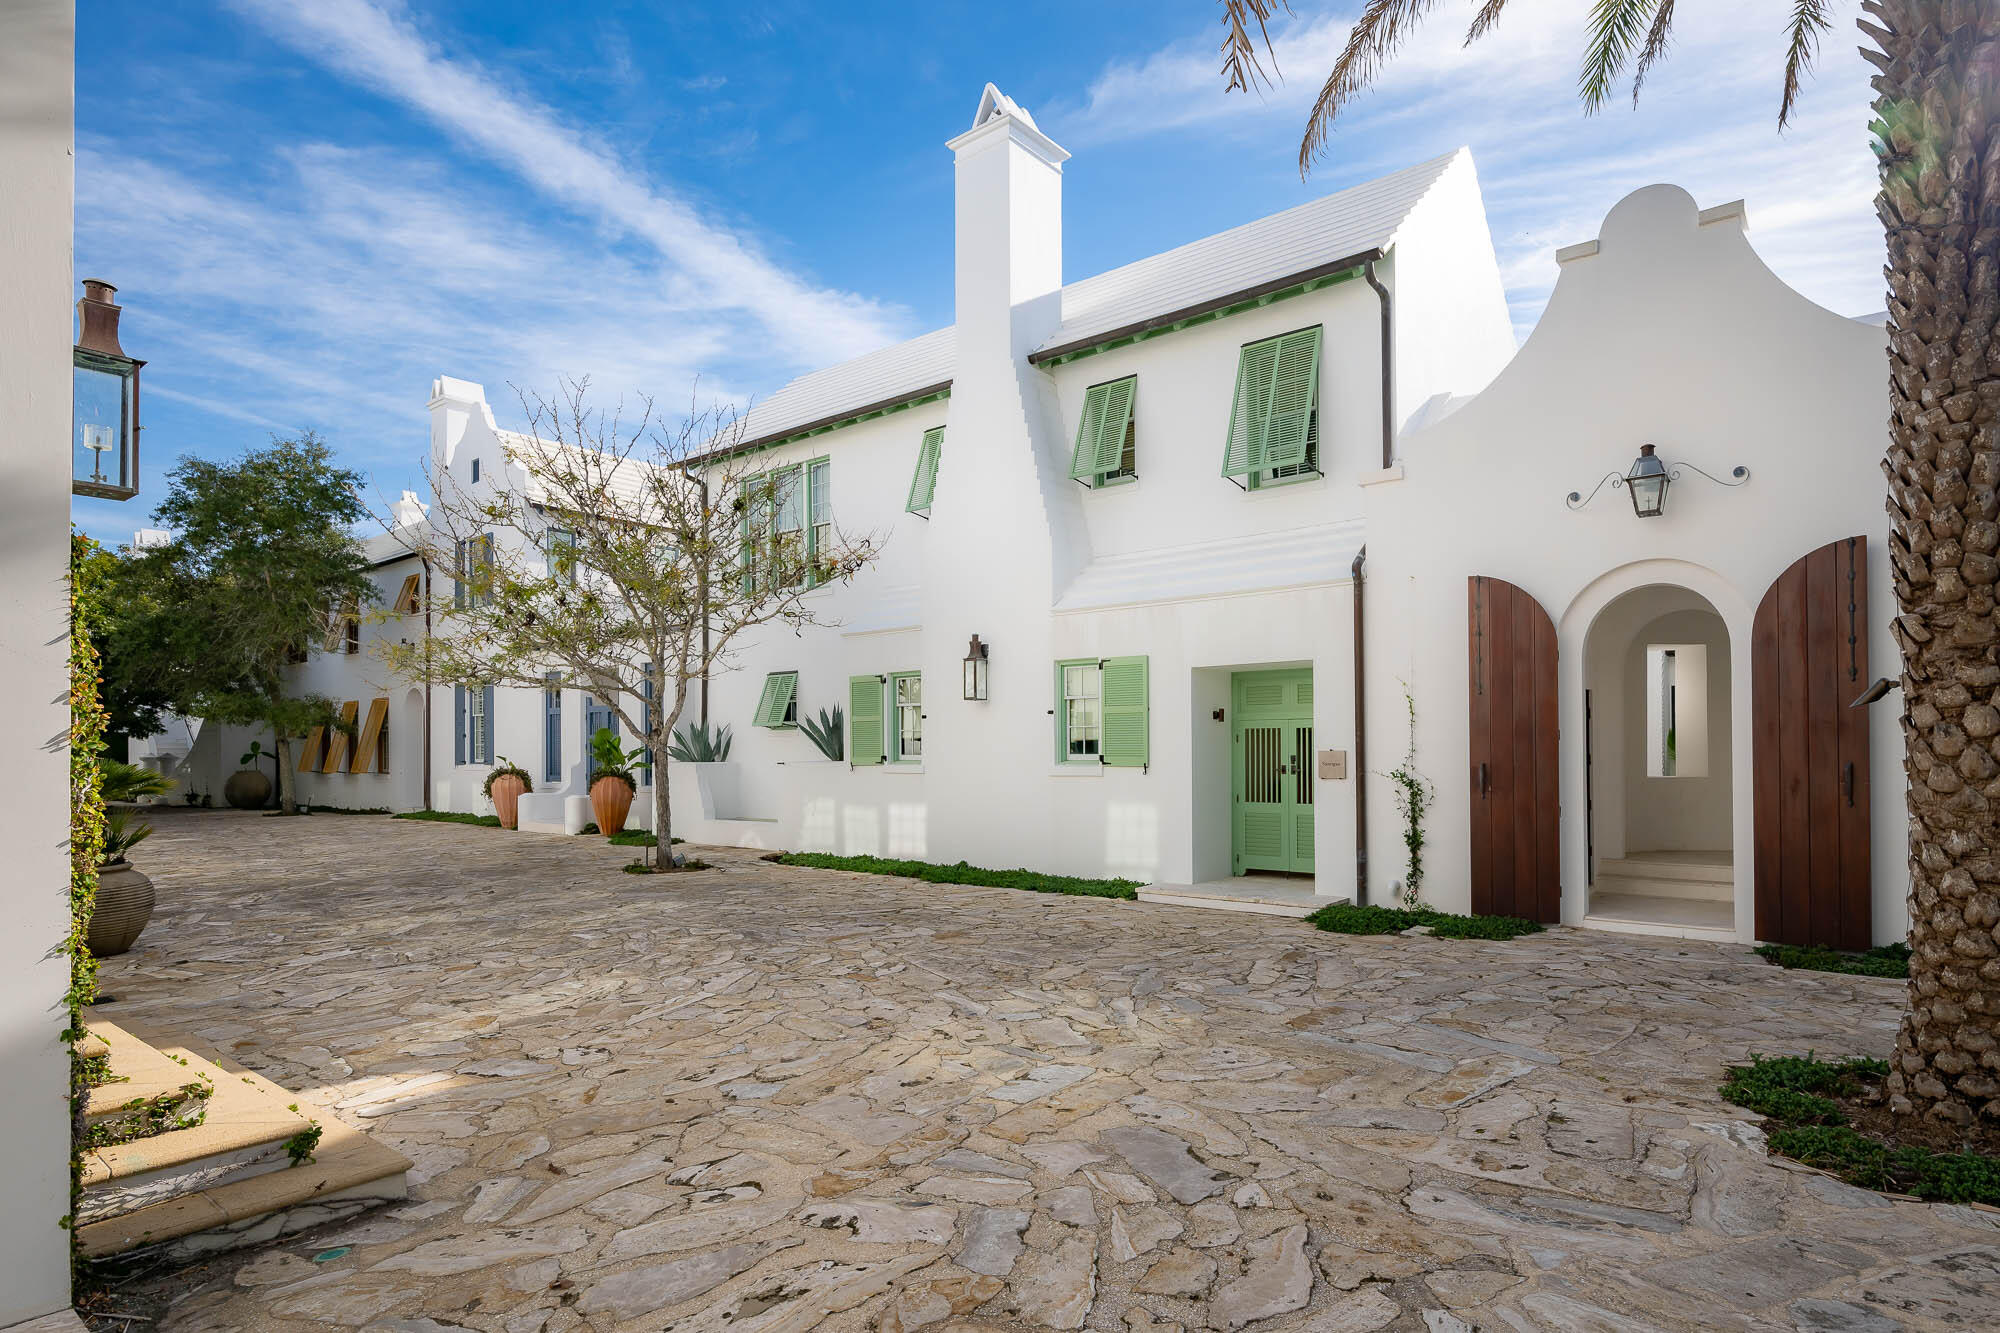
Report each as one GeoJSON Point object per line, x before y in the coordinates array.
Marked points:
{"type": "Point", "coordinates": [262, 555]}
{"type": "Point", "coordinates": [1936, 138]}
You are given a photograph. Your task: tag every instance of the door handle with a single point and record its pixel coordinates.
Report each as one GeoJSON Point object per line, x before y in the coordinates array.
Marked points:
{"type": "Point", "coordinates": [1847, 783]}
{"type": "Point", "coordinates": [1480, 780]}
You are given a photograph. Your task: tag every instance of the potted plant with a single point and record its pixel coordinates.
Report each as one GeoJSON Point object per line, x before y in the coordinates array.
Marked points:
{"type": "Point", "coordinates": [505, 786]}
{"type": "Point", "coordinates": [611, 785]}
{"type": "Point", "coordinates": [124, 896]}
{"type": "Point", "coordinates": [248, 788]}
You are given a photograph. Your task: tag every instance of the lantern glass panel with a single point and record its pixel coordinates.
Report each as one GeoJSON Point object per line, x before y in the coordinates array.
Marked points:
{"type": "Point", "coordinates": [1649, 496]}
{"type": "Point", "coordinates": [101, 435]}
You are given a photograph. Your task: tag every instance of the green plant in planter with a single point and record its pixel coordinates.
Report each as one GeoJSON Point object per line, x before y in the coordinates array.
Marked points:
{"type": "Point", "coordinates": [123, 830]}
{"type": "Point", "coordinates": [506, 768]}
{"type": "Point", "coordinates": [120, 781]}
{"type": "Point", "coordinates": [696, 743]}
{"type": "Point", "coordinates": [255, 756]}
{"type": "Point", "coordinates": [825, 732]}
{"type": "Point", "coordinates": [609, 759]}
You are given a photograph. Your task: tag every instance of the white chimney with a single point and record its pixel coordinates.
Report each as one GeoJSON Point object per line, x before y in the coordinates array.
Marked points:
{"type": "Point", "coordinates": [1009, 211]}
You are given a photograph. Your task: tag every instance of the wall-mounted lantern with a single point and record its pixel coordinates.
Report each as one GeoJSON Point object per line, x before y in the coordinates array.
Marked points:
{"type": "Point", "coordinates": [104, 402]}
{"type": "Point", "coordinates": [975, 670]}
{"type": "Point", "coordinates": [1648, 479]}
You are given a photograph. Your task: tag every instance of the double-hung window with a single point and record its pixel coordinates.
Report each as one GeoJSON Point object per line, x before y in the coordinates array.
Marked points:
{"type": "Point", "coordinates": [474, 582]}
{"type": "Point", "coordinates": [788, 536]}
{"type": "Point", "coordinates": [1102, 712]}
{"type": "Point", "coordinates": [906, 697]}
{"type": "Point", "coordinates": [1079, 717]}
{"type": "Point", "coordinates": [559, 546]}
{"type": "Point", "coordinates": [1274, 417]}
{"type": "Point", "coordinates": [1106, 439]}
{"type": "Point", "coordinates": [472, 740]}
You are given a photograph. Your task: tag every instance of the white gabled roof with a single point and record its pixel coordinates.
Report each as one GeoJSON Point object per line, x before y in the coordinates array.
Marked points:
{"type": "Point", "coordinates": [885, 375]}
{"type": "Point", "coordinates": [1259, 562]}
{"type": "Point", "coordinates": [1348, 222]}
{"type": "Point", "coordinates": [625, 479]}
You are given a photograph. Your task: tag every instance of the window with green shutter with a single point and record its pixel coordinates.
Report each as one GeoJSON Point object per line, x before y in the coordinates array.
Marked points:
{"type": "Point", "coordinates": [1079, 718]}
{"type": "Point", "coordinates": [1124, 702]}
{"type": "Point", "coordinates": [778, 705]}
{"type": "Point", "coordinates": [864, 720]}
{"type": "Point", "coordinates": [1274, 418]}
{"type": "Point", "coordinates": [1105, 435]}
{"type": "Point", "coordinates": [906, 732]}
{"type": "Point", "coordinates": [923, 484]}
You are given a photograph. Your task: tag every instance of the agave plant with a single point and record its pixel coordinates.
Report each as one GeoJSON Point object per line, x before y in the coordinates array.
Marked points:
{"type": "Point", "coordinates": [696, 743]}
{"type": "Point", "coordinates": [825, 732]}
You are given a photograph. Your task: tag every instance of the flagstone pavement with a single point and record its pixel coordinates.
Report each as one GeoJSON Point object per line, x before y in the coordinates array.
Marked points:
{"type": "Point", "coordinates": [765, 1099]}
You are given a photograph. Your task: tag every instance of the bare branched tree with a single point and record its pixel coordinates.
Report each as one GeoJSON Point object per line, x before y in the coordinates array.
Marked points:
{"type": "Point", "coordinates": [624, 557]}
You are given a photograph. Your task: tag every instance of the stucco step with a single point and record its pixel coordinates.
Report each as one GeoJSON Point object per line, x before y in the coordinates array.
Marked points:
{"type": "Point", "coordinates": [140, 1073]}
{"type": "Point", "coordinates": [244, 1133]}
{"type": "Point", "coordinates": [349, 1173]}
{"type": "Point", "coordinates": [1696, 867]}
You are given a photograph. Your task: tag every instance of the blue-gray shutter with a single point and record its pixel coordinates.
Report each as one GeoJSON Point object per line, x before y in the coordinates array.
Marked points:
{"type": "Point", "coordinates": [552, 729]}
{"type": "Point", "coordinates": [646, 764]}
{"type": "Point", "coordinates": [458, 724]}
{"type": "Point", "coordinates": [486, 728]}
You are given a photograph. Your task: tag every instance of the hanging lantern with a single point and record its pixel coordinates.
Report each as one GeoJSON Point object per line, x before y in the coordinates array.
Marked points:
{"type": "Point", "coordinates": [975, 670]}
{"type": "Point", "coordinates": [1647, 480]}
{"type": "Point", "coordinates": [104, 402]}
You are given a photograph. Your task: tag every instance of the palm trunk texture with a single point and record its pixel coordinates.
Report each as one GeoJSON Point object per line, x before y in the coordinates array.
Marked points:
{"type": "Point", "coordinates": [1939, 81]}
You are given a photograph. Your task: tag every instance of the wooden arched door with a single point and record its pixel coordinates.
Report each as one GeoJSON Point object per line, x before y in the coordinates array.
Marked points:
{"type": "Point", "coordinates": [1516, 782]}
{"type": "Point", "coordinates": [1809, 756]}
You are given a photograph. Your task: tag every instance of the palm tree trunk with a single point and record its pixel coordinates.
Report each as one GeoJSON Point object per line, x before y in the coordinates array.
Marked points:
{"type": "Point", "coordinates": [1938, 137]}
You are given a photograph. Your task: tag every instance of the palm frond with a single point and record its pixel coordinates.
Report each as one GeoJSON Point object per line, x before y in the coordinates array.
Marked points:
{"type": "Point", "coordinates": [1370, 42]}
{"type": "Point", "coordinates": [1483, 21]}
{"type": "Point", "coordinates": [1655, 47]}
{"type": "Point", "coordinates": [1615, 29]}
{"type": "Point", "coordinates": [1239, 50]}
{"type": "Point", "coordinates": [1809, 20]}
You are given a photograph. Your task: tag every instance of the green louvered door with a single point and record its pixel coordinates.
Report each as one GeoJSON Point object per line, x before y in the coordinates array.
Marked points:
{"type": "Point", "coordinates": [1271, 804]}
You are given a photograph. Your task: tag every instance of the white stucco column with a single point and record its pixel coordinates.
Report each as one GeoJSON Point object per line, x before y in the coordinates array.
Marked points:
{"type": "Point", "coordinates": [37, 146]}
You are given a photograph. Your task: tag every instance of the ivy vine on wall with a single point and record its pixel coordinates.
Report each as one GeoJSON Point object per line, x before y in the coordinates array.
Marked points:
{"type": "Point", "coordinates": [86, 842]}
{"type": "Point", "coordinates": [1414, 794]}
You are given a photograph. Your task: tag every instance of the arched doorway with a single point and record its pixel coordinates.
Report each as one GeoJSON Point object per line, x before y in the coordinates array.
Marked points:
{"type": "Point", "coordinates": [406, 759]}
{"type": "Point", "coordinates": [1659, 764]}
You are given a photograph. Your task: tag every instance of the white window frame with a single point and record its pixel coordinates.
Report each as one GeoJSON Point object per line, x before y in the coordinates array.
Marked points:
{"type": "Point", "coordinates": [1082, 692]}
{"type": "Point", "coordinates": [899, 753]}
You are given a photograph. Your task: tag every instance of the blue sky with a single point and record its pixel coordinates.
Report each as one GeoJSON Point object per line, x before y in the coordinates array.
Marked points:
{"type": "Point", "coordinates": [312, 210]}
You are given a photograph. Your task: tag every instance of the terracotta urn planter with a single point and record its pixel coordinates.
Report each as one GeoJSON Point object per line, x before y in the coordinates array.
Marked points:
{"type": "Point", "coordinates": [506, 792]}
{"type": "Point", "coordinates": [611, 802]}
{"type": "Point", "coordinates": [124, 906]}
{"type": "Point", "coordinates": [247, 789]}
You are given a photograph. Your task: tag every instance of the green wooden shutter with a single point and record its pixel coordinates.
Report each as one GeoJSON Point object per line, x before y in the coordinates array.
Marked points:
{"type": "Point", "coordinates": [1249, 414]}
{"type": "Point", "coordinates": [924, 483]}
{"type": "Point", "coordinates": [776, 700]}
{"type": "Point", "coordinates": [1124, 700]}
{"type": "Point", "coordinates": [1100, 434]}
{"type": "Point", "coordinates": [864, 720]}
{"type": "Point", "coordinates": [1294, 392]}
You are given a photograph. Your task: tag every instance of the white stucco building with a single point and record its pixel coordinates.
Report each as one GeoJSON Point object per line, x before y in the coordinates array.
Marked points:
{"type": "Point", "coordinates": [1211, 511]}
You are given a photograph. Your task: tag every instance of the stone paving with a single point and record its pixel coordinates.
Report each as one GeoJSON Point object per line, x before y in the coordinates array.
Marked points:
{"type": "Point", "coordinates": [763, 1100]}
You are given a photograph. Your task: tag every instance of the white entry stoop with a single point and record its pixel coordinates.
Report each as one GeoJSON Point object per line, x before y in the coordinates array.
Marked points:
{"type": "Point", "coordinates": [1272, 895]}
{"type": "Point", "coordinates": [1691, 895]}
{"type": "Point", "coordinates": [227, 1181]}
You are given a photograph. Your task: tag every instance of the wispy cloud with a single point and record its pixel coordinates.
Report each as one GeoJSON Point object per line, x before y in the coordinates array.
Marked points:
{"type": "Point", "coordinates": [1707, 121]}
{"type": "Point", "coordinates": [381, 49]}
